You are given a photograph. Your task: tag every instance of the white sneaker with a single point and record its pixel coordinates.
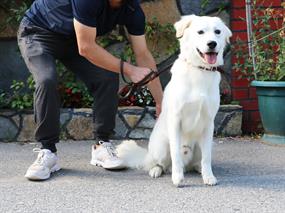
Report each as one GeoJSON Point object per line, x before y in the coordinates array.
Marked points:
{"type": "Point", "coordinates": [44, 165]}
{"type": "Point", "coordinates": [105, 155]}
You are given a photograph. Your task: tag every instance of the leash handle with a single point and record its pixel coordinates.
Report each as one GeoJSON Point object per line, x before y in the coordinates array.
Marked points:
{"type": "Point", "coordinates": [149, 77]}
{"type": "Point", "coordinates": [122, 72]}
{"type": "Point", "coordinates": [131, 87]}
{"type": "Point", "coordinates": [126, 91]}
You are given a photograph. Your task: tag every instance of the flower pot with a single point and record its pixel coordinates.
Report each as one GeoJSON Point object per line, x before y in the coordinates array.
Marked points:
{"type": "Point", "coordinates": [271, 101]}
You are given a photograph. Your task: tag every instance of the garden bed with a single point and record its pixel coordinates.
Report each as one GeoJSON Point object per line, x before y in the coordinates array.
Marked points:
{"type": "Point", "coordinates": [131, 122]}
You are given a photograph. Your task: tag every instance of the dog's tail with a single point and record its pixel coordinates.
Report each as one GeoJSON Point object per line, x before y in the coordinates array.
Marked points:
{"type": "Point", "coordinates": [132, 155]}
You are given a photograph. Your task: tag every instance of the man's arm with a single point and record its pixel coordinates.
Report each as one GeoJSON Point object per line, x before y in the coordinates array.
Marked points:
{"type": "Point", "coordinates": [145, 59]}
{"type": "Point", "coordinates": [88, 48]}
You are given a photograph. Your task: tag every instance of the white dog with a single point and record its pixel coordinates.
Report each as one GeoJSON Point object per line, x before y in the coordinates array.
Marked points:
{"type": "Point", "coordinates": [183, 134]}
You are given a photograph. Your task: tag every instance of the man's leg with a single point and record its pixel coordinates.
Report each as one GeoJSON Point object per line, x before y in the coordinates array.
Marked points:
{"type": "Point", "coordinates": [105, 104]}
{"type": "Point", "coordinates": [104, 86]}
{"type": "Point", "coordinates": [46, 100]}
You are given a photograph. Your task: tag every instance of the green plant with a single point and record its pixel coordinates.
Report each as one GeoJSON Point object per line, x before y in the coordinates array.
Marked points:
{"type": "Point", "coordinates": [3, 100]}
{"type": "Point", "coordinates": [73, 93]}
{"type": "Point", "coordinates": [268, 43]}
{"type": "Point", "coordinates": [161, 34]}
{"type": "Point", "coordinates": [22, 95]}
{"type": "Point", "coordinates": [204, 4]}
{"type": "Point", "coordinates": [115, 36]}
{"type": "Point", "coordinates": [16, 10]}
{"type": "Point", "coordinates": [141, 98]}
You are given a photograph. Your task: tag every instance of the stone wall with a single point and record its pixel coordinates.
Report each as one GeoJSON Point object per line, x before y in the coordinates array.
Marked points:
{"type": "Point", "coordinates": [131, 122]}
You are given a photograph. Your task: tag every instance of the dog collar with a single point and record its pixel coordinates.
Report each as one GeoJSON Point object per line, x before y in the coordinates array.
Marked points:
{"type": "Point", "coordinates": [212, 69]}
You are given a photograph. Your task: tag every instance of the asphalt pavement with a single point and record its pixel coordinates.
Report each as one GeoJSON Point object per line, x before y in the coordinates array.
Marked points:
{"type": "Point", "coordinates": [251, 178]}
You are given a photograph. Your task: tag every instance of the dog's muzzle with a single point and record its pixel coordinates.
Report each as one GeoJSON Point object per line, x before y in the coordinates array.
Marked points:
{"type": "Point", "coordinates": [209, 57]}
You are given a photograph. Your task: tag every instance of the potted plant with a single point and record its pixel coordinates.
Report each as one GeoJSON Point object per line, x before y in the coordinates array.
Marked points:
{"type": "Point", "coordinates": [268, 74]}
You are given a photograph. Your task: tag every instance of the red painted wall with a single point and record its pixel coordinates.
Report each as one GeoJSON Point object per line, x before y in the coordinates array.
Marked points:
{"type": "Point", "coordinates": [241, 91]}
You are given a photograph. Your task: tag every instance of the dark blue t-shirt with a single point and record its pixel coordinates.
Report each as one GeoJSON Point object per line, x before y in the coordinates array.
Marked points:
{"type": "Point", "coordinates": [57, 15]}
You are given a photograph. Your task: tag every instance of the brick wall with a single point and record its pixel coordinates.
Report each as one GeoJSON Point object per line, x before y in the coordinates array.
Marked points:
{"type": "Point", "coordinates": [241, 91]}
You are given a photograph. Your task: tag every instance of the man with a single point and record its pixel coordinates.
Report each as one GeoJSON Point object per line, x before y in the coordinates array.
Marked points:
{"type": "Point", "coordinates": [66, 30]}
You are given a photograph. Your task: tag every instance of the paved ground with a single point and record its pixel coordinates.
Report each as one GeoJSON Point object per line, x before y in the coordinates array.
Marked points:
{"type": "Point", "coordinates": [251, 179]}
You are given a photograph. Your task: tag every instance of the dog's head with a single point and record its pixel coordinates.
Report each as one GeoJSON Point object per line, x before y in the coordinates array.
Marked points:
{"type": "Point", "coordinates": [202, 39]}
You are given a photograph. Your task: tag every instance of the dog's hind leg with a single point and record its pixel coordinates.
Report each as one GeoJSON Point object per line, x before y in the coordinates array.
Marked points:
{"type": "Point", "coordinates": [156, 171]}
{"type": "Point", "coordinates": [160, 162]}
{"type": "Point", "coordinates": [158, 157]}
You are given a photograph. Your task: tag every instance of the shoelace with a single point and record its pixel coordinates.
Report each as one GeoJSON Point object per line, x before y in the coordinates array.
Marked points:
{"type": "Point", "coordinates": [109, 147]}
{"type": "Point", "coordinates": [41, 156]}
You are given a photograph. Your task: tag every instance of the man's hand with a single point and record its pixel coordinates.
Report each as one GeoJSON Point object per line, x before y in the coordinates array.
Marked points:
{"type": "Point", "coordinates": [135, 74]}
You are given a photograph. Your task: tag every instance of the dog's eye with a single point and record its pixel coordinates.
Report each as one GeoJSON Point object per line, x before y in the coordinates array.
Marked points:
{"type": "Point", "coordinates": [200, 32]}
{"type": "Point", "coordinates": [218, 31]}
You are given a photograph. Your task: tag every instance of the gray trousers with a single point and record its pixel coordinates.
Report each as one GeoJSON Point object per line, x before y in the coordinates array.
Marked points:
{"type": "Point", "coordinates": [40, 48]}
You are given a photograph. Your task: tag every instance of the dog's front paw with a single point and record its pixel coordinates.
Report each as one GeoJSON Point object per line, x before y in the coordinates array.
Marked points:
{"type": "Point", "coordinates": [210, 180]}
{"type": "Point", "coordinates": [177, 178]}
{"type": "Point", "coordinates": [155, 172]}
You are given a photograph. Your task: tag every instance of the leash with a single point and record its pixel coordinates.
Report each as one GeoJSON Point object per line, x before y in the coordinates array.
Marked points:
{"type": "Point", "coordinates": [128, 90]}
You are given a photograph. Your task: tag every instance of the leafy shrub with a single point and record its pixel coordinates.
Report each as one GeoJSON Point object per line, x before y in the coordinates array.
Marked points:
{"type": "Point", "coordinates": [268, 43]}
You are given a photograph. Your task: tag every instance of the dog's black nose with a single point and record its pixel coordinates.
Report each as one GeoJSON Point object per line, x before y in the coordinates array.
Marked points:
{"type": "Point", "coordinates": [212, 44]}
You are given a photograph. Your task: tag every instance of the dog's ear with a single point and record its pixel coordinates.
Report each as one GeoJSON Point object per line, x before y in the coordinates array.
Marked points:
{"type": "Point", "coordinates": [182, 24]}
{"type": "Point", "coordinates": [228, 34]}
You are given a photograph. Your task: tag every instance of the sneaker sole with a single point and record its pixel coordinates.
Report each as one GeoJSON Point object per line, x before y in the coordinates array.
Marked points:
{"type": "Point", "coordinates": [34, 177]}
{"type": "Point", "coordinates": [101, 164]}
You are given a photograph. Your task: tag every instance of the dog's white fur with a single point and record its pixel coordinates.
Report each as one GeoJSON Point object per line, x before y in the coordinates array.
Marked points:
{"type": "Point", "coordinates": [183, 134]}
